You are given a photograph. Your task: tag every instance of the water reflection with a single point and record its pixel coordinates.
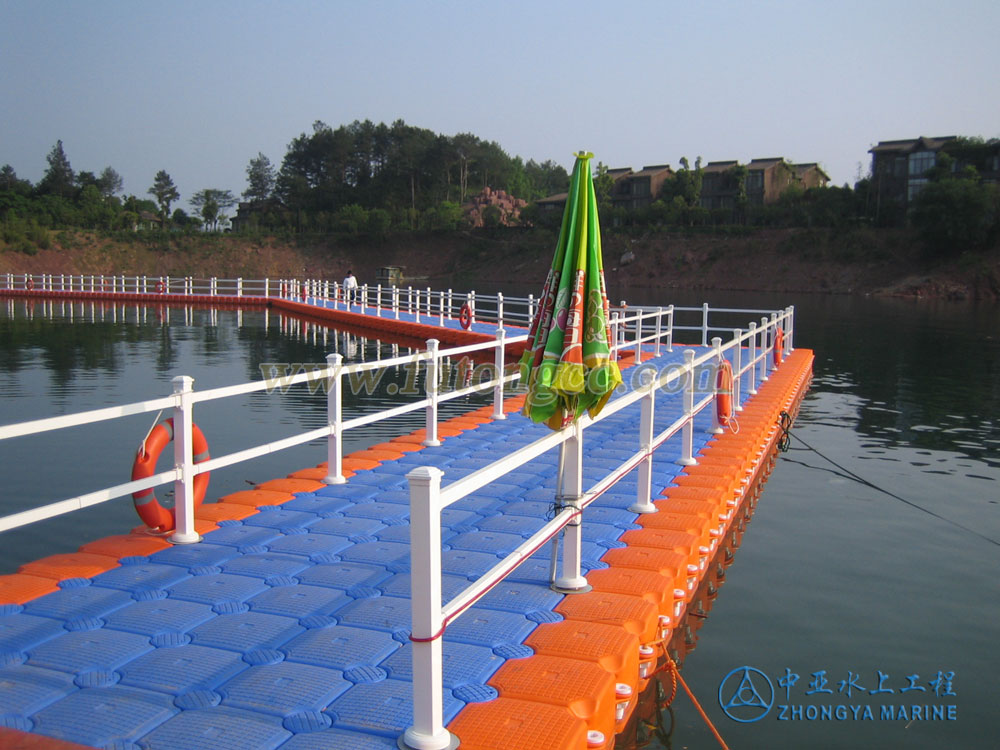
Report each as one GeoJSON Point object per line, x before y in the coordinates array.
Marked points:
{"type": "Point", "coordinates": [61, 358]}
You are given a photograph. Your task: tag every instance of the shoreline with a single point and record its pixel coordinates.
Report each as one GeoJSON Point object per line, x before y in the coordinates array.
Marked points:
{"type": "Point", "coordinates": [862, 262]}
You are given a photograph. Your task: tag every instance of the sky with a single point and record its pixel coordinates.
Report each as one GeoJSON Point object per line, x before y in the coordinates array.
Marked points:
{"type": "Point", "coordinates": [199, 88]}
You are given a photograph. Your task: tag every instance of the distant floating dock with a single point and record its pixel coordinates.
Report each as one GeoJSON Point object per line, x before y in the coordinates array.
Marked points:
{"type": "Point", "coordinates": [293, 624]}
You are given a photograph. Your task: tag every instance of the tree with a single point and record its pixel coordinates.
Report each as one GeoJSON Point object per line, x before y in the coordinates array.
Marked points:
{"type": "Point", "coordinates": [211, 204]}
{"type": "Point", "coordinates": [109, 182]}
{"type": "Point", "coordinates": [59, 178]}
{"type": "Point", "coordinates": [260, 179]}
{"type": "Point", "coordinates": [956, 211]}
{"type": "Point", "coordinates": [165, 193]}
{"type": "Point", "coordinates": [10, 181]}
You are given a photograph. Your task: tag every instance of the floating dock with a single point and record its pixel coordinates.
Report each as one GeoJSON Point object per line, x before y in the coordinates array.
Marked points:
{"type": "Point", "coordinates": [289, 626]}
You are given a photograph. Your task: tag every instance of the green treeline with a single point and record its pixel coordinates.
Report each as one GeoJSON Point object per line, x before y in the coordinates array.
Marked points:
{"type": "Point", "coordinates": [373, 180]}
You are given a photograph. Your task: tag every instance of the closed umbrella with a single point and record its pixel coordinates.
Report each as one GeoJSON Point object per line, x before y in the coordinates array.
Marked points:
{"type": "Point", "coordinates": [567, 367]}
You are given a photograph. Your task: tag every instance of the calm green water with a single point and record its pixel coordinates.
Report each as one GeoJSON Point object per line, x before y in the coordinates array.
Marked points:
{"type": "Point", "coordinates": [840, 582]}
{"type": "Point", "coordinates": [63, 358]}
{"type": "Point", "coordinates": [833, 580]}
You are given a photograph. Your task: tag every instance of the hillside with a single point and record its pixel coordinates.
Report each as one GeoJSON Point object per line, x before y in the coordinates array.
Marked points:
{"type": "Point", "coordinates": [782, 260]}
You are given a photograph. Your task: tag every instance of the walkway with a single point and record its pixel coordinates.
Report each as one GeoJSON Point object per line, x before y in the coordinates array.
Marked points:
{"type": "Point", "coordinates": [288, 626]}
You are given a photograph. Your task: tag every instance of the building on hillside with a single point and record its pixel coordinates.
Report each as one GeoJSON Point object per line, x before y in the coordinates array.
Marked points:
{"type": "Point", "coordinates": [810, 175]}
{"type": "Point", "coordinates": [767, 179]}
{"type": "Point", "coordinates": [719, 185]}
{"type": "Point", "coordinates": [899, 171]}
{"type": "Point", "coordinates": [899, 168]}
{"type": "Point", "coordinates": [635, 190]}
{"type": "Point", "coordinates": [552, 203]}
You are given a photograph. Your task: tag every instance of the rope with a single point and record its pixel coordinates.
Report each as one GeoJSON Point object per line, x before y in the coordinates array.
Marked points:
{"type": "Point", "coordinates": [785, 422]}
{"type": "Point", "coordinates": [141, 450]}
{"type": "Point", "coordinates": [676, 672]}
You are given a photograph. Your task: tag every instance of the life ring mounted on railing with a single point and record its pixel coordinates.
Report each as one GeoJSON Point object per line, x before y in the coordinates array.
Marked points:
{"type": "Point", "coordinates": [152, 513]}
{"type": "Point", "coordinates": [724, 409]}
{"type": "Point", "coordinates": [160, 287]}
{"type": "Point", "coordinates": [29, 284]}
{"type": "Point", "coordinates": [465, 316]}
{"type": "Point", "coordinates": [779, 346]}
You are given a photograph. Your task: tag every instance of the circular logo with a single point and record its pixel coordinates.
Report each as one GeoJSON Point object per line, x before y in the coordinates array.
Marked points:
{"type": "Point", "coordinates": [746, 694]}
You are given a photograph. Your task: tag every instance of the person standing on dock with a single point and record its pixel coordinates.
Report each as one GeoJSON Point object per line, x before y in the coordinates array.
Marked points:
{"type": "Point", "coordinates": [350, 288]}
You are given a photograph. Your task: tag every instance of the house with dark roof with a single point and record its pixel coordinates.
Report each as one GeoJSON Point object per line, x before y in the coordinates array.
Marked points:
{"type": "Point", "coordinates": [767, 179]}
{"type": "Point", "coordinates": [899, 169]}
{"type": "Point", "coordinates": [810, 175]}
{"type": "Point", "coordinates": [635, 190]}
{"type": "Point", "coordinates": [719, 185]}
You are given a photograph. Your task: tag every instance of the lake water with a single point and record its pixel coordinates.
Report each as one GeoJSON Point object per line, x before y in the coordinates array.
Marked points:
{"type": "Point", "coordinates": [836, 586]}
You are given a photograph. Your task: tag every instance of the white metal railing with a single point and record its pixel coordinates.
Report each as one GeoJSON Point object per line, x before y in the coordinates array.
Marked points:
{"type": "Point", "coordinates": [333, 375]}
{"type": "Point", "coordinates": [426, 304]}
{"type": "Point", "coordinates": [428, 499]}
{"type": "Point", "coordinates": [637, 328]}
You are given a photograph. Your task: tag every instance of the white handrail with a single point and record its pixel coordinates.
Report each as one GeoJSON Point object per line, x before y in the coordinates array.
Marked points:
{"type": "Point", "coordinates": [428, 498]}
{"type": "Point", "coordinates": [182, 401]}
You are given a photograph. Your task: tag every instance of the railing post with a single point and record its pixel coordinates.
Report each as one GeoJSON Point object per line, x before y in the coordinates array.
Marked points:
{"type": "Point", "coordinates": [499, 309]}
{"type": "Point", "coordinates": [472, 304]}
{"type": "Point", "coordinates": [752, 362]}
{"type": "Point", "coordinates": [687, 435]}
{"type": "Point", "coordinates": [430, 313]}
{"type": "Point", "coordinates": [334, 408]}
{"type": "Point", "coordinates": [531, 309]}
{"type": "Point", "coordinates": [395, 301]}
{"type": "Point", "coordinates": [737, 366]}
{"type": "Point", "coordinates": [644, 493]}
{"type": "Point", "coordinates": [450, 300]}
{"type": "Point", "coordinates": [427, 731]}
{"type": "Point", "coordinates": [570, 494]}
{"type": "Point", "coordinates": [774, 338]}
{"type": "Point", "coordinates": [613, 354]}
{"type": "Point", "coordinates": [790, 333]}
{"type": "Point", "coordinates": [267, 286]}
{"type": "Point", "coordinates": [441, 309]}
{"type": "Point", "coordinates": [431, 433]}
{"type": "Point", "coordinates": [763, 349]}
{"type": "Point", "coordinates": [185, 532]}
{"type": "Point", "coordinates": [716, 428]}
{"type": "Point", "coordinates": [498, 388]}
{"type": "Point", "coordinates": [378, 301]}
{"type": "Point", "coordinates": [704, 324]}
{"type": "Point", "coordinates": [659, 330]}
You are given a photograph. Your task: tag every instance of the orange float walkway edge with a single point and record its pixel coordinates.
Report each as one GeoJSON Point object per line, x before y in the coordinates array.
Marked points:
{"type": "Point", "coordinates": [644, 616]}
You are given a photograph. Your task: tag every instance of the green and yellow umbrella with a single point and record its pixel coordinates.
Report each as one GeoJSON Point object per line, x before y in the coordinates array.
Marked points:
{"type": "Point", "coordinates": [567, 367]}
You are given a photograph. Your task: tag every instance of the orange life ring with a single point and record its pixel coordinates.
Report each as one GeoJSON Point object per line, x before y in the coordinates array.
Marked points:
{"type": "Point", "coordinates": [465, 316]}
{"type": "Point", "coordinates": [779, 346]}
{"type": "Point", "coordinates": [160, 287]}
{"type": "Point", "coordinates": [30, 283]}
{"type": "Point", "coordinates": [154, 515]}
{"type": "Point", "coordinates": [724, 393]}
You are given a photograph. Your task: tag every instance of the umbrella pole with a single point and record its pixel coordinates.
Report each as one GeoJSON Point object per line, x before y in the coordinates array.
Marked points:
{"type": "Point", "coordinates": [571, 581]}
{"type": "Point", "coordinates": [554, 562]}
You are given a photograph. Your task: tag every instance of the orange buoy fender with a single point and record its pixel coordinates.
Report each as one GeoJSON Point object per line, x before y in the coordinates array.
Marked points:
{"type": "Point", "coordinates": [154, 515]}
{"type": "Point", "coordinates": [465, 316]}
{"type": "Point", "coordinates": [779, 346]}
{"type": "Point", "coordinates": [724, 393]}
